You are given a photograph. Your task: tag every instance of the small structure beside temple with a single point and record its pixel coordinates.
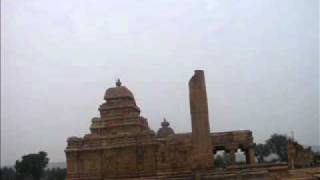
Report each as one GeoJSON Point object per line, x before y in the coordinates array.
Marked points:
{"type": "Point", "coordinates": [300, 157]}
{"type": "Point", "coordinates": [121, 144]}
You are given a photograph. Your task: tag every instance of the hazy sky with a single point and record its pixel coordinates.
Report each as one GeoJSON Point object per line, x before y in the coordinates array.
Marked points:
{"type": "Point", "coordinates": [58, 58]}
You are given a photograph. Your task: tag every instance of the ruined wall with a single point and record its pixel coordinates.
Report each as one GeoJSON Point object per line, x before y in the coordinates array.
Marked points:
{"type": "Point", "coordinates": [298, 156]}
{"type": "Point", "coordinates": [200, 121]}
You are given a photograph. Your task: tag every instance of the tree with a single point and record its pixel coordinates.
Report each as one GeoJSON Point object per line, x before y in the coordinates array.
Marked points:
{"type": "Point", "coordinates": [221, 160]}
{"type": "Point", "coordinates": [7, 173]}
{"type": "Point", "coordinates": [56, 174]}
{"type": "Point", "coordinates": [278, 144]}
{"type": "Point", "coordinates": [262, 150]}
{"type": "Point", "coordinates": [32, 165]}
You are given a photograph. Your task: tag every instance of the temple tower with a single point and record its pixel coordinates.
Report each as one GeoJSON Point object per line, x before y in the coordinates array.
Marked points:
{"type": "Point", "coordinates": [201, 140]}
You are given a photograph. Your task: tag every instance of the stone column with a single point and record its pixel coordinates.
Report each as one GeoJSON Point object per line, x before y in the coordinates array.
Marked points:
{"type": "Point", "coordinates": [232, 156]}
{"type": "Point", "coordinates": [250, 155]}
{"type": "Point", "coordinates": [291, 153]}
{"type": "Point", "coordinates": [201, 140]}
{"type": "Point", "coordinates": [73, 165]}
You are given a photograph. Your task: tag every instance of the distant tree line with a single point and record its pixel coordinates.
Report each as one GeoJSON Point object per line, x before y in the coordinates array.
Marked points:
{"type": "Point", "coordinates": [276, 144]}
{"type": "Point", "coordinates": [32, 167]}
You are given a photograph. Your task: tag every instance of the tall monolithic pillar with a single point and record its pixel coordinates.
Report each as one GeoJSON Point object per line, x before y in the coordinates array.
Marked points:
{"type": "Point", "coordinates": [202, 147]}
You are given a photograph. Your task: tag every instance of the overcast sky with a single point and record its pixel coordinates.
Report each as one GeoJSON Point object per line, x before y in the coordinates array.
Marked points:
{"type": "Point", "coordinates": [58, 57]}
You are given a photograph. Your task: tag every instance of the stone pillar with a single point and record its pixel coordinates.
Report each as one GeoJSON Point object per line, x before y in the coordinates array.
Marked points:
{"type": "Point", "coordinates": [202, 147]}
{"type": "Point", "coordinates": [291, 153]}
{"type": "Point", "coordinates": [72, 164]}
{"type": "Point", "coordinates": [250, 155]}
{"type": "Point", "coordinates": [232, 156]}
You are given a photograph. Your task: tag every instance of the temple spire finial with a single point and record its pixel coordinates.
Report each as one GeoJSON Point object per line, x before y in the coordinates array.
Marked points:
{"type": "Point", "coordinates": [118, 83]}
{"type": "Point", "coordinates": [165, 123]}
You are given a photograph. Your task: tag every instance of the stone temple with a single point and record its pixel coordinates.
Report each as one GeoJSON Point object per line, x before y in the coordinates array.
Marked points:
{"type": "Point", "coordinates": [121, 145]}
